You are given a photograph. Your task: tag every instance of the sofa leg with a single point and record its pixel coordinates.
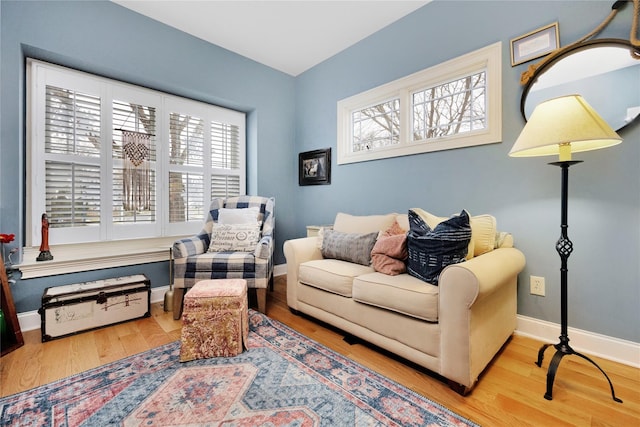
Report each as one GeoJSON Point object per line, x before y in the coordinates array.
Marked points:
{"type": "Point", "coordinates": [178, 295]}
{"type": "Point", "coordinates": [351, 339]}
{"type": "Point", "coordinates": [459, 388]}
{"type": "Point", "coordinates": [261, 293]}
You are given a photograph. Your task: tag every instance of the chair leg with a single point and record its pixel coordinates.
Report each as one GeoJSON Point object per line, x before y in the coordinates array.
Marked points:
{"type": "Point", "coordinates": [178, 295]}
{"type": "Point", "coordinates": [261, 293]}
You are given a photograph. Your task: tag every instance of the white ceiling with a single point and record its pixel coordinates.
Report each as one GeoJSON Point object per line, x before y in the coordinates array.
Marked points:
{"type": "Point", "coordinates": [291, 36]}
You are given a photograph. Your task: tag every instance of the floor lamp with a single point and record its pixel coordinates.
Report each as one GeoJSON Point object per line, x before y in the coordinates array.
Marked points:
{"type": "Point", "coordinates": [562, 126]}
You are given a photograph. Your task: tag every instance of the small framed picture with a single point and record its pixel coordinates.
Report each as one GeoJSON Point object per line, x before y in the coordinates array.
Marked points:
{"type": "Point", "coordinates": [314, 167]}
{"type": "Point", "coordinates": [535, 44]}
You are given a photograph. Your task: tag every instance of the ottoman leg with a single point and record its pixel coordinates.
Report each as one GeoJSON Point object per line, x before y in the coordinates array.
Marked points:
{"type": "Point", "coordinates": [261, 293]}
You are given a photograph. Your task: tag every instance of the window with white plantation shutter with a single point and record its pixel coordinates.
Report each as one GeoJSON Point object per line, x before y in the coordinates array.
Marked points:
{"type": "Point", "coordinates": [72, 194]}
{"type": "Point", "coordinates": [186, 191]}
{"type": "Point", "coordinates": [110, 161]}
{"type": "Point", "coordinates": [226, 155]}
{"type": "Point", "coordinates": [72, 157]}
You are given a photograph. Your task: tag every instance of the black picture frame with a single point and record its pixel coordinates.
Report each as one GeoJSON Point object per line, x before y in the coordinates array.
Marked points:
{"type": "Point", "coordinates": [314, 167]}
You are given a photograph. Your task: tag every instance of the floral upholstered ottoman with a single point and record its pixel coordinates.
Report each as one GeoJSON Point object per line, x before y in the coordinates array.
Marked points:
{"type": "Point", "coordinates": [215, 320]}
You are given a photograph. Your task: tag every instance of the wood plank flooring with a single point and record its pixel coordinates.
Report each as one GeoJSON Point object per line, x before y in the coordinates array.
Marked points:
{"type": "Point", "coordinates": [509, 393]}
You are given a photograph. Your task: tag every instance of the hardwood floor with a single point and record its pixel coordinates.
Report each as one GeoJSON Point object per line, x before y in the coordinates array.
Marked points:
{"type": "Point", "coordinates": [510, 392]}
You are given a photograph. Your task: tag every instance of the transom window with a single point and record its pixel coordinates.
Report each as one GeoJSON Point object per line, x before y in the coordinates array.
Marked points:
{"type": "Point", "coordinates": [451, 105]}
{"type": "Point", "coordinates": [452, 108]}
{"type": "Point", "coordinates": [376, 126]}
{"type": "Point", "coordinates": [111, 161]}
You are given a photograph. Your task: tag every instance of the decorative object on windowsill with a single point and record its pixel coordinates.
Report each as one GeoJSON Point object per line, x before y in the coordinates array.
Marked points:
{"type": "Point", "coordinates": [633, 37]}
{"type": "Point", "coordinates": [314, 167]}
{"type": "Point", "coordinates": [562, 126]}
{"type": "Point", "coordinates": [4, 239]}
{"type": "Point", "coordinates": [45, 252]}
{"type": "Point", "coordinates": [6, 258]}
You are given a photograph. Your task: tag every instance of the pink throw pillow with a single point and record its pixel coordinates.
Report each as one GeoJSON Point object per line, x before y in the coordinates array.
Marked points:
{"type": "Point", "coordinates": [390, 251]}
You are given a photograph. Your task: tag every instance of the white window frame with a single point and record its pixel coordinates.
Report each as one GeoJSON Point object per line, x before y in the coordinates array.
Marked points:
{"type": "Point", "coordinates": [487, 59]}
{"type": "Point", "coordinates": [110, 245]}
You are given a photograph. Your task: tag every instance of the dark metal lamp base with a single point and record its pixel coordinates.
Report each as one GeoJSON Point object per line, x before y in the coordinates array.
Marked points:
{"type": "Point", "coordinates": [564, 349]}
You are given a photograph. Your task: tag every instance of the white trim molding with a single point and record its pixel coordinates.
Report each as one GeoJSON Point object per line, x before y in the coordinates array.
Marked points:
{"type": "Point", "coordinates": [591, 343]}
{"type": "Point", "coordinates": [78, 257]}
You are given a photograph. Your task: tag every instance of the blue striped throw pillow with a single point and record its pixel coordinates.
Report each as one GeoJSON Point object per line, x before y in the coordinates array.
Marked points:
{"type": "Point", "coordinates": [430, 251]}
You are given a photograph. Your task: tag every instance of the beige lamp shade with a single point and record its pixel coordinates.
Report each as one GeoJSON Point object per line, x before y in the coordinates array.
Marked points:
{"type": "Point", "coordinates": [562, 126]}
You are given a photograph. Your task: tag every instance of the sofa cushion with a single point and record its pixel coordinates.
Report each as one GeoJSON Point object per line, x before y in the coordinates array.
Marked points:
{"type": "Point", "coordinates": [353, 247]}
{"type": "Point", "coordinates": [431, 250]}
{"type": "Point", "coordinates": [402, 293]}
{"type": "Point", "coordinates": [331, 275]}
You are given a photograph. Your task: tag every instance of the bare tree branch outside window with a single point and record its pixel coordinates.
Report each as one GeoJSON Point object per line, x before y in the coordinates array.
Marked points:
{"type": "Point", "coordinates": [376, 126]}
{"type": "Point", "coordinates": [449, 109]}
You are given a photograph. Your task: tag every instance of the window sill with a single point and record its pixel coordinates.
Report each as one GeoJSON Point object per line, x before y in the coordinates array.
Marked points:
{"type": "Point", "coordinates": [95, 256]}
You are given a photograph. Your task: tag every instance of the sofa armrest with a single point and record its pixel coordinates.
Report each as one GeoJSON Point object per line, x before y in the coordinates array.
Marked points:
{"type": "Point", "coordinates": [477, 311]}
{"type": "Point", "coordinates": [190, 246]}
{"type": "Point", "coordinates": [484, 274]}
{"type": "Point", "coordinates": [297, 251]}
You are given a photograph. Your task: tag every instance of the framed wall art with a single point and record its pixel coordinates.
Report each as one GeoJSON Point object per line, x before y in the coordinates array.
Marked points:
{"type": "Point", "coordinates": [314, 167]}
{"type": "Point", "coordinates": [535, 44]}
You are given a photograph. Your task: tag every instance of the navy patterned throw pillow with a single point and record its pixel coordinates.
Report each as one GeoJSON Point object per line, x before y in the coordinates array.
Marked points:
{"type": "Point", "coordinates": [430, 251]}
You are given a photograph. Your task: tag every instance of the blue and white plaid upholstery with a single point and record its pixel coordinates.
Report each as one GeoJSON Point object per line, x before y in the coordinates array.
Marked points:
{"type": "Point", "coordinates": [193, 262]}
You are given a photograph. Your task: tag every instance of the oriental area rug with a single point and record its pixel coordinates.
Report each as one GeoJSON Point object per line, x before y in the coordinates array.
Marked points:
{"type": "Point", "coordinates": [283, 379]}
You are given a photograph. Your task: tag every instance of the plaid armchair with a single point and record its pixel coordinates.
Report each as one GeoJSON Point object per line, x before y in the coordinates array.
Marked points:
{"type": "Point", "coordinates": [193, 262]}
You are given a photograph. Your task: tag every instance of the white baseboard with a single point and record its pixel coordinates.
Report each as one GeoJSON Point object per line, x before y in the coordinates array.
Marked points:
{"type": "Point", "coordinates": [280, 270]}
{"type": "Point", "coordinates": [610, 348]}
{"type": "Point", "coordinates": [590, 343]}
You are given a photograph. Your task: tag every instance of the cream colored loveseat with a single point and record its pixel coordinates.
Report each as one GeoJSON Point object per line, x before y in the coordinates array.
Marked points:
{"type": "Point", "coordinates": [453, 329]}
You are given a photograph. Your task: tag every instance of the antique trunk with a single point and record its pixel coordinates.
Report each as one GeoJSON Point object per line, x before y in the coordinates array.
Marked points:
{"type": "Point", "coordinates": [79, 307]}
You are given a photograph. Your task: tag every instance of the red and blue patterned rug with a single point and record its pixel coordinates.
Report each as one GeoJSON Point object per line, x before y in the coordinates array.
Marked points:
{"type": "Point", "coordinates": [284, 379]}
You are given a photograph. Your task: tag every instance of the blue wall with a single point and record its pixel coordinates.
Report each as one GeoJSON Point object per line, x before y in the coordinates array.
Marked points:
{"type": "Point", "coordinates": [288, 115]}
{"type": "Point", "coordinates": [106, 39]}
{"type": "Point", "coordinates": [523, 194]}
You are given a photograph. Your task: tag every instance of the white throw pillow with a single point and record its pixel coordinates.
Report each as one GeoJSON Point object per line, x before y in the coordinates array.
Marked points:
{"type": "Point", "coordinates": [238, 216]}
{"type": "Point", "coordinates": [234, 237]}
{"type": "Point", "coordinates": [483, 228]}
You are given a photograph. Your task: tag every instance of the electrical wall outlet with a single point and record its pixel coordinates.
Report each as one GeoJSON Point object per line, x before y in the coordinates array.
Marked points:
{"type": "Point", "coordinates": [537, 285]}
